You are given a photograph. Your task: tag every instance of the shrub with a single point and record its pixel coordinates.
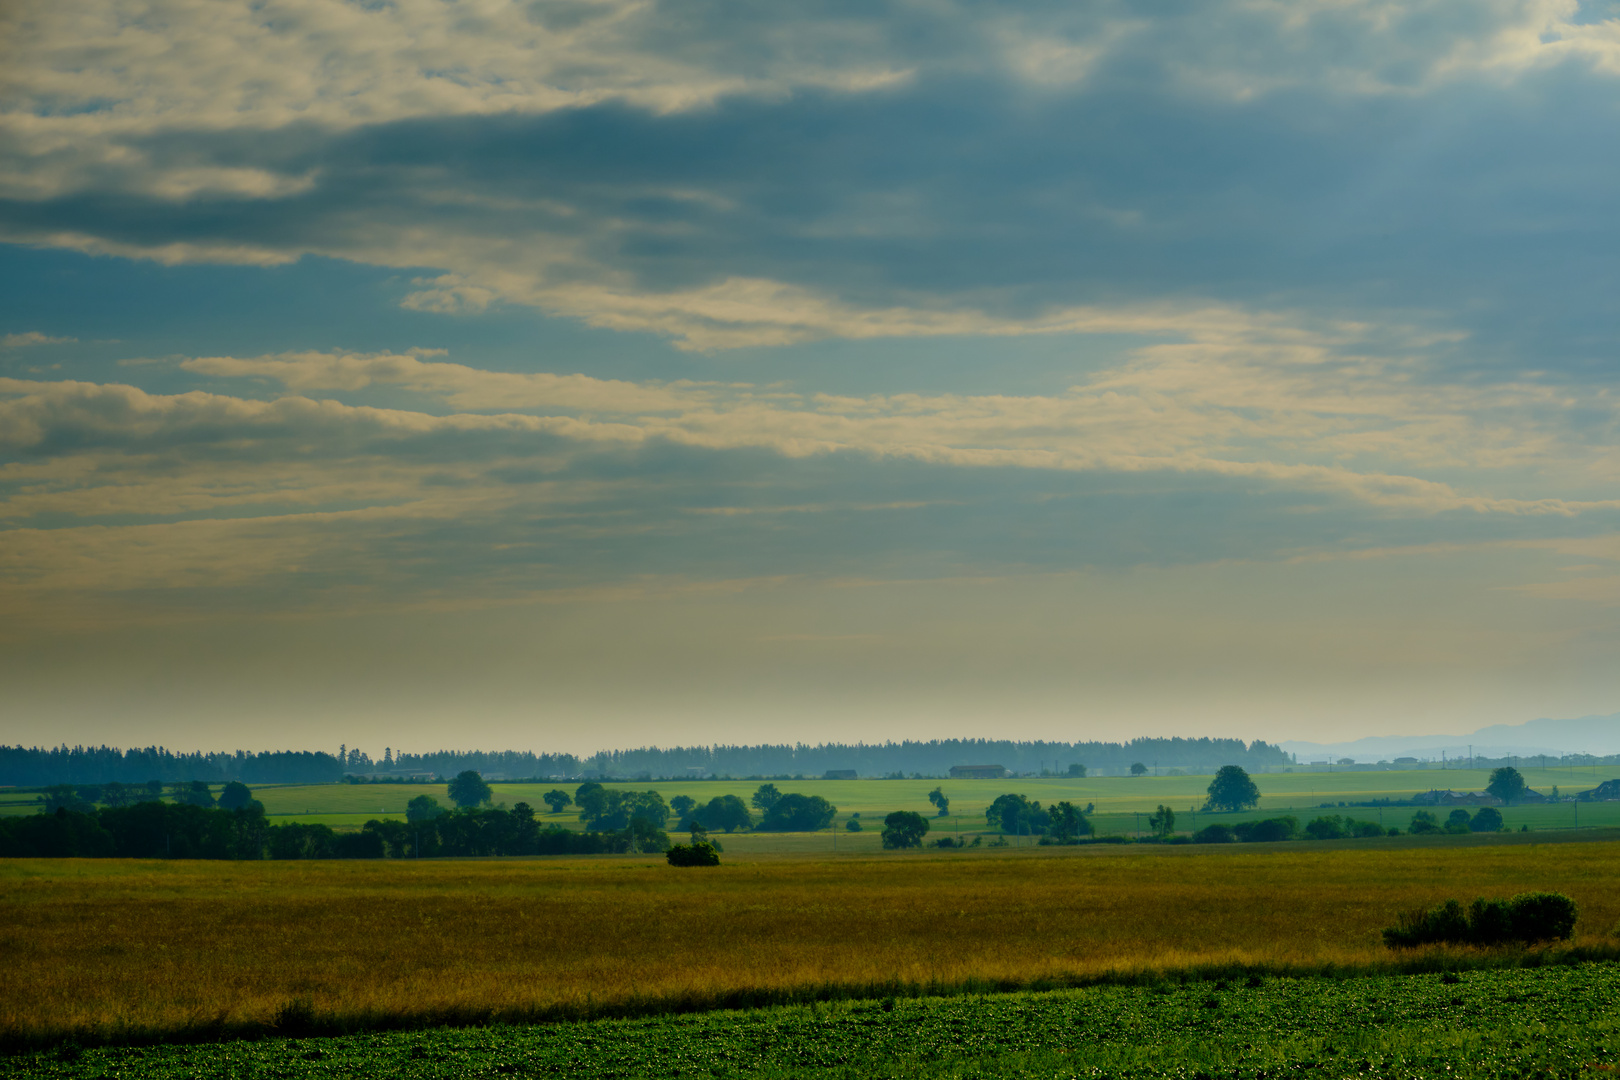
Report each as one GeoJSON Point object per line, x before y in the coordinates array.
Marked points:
{"type": "Point", "coordinates": [1214, 834]}
{"type": "Point", "coordinates": [1457, 822]}
{"type": "Point", "coordinates": [1270, 830]}
{"type": "Point", "coordinates": [1528, 917]}
{"type": "Point", "coordinates": [697, 853]}
{"type": "Point", "coordinates": [1488, 819]}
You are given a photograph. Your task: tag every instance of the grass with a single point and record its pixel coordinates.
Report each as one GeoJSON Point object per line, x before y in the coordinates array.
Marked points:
{"type": "Point", "coordinates": [1503, 1023]}
{"type": "Point", "coordinates": [110, 951]}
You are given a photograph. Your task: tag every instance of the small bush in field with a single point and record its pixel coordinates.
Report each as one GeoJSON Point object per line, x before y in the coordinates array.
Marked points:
{"type": "Point", "coordinates": [697, 853]}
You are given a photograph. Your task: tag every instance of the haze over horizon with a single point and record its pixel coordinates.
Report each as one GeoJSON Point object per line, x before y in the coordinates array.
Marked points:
{"type": "Point", "coordinates": [588, 373]}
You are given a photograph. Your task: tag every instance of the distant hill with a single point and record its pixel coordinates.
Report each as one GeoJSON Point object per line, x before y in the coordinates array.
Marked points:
{"type": "Point", "coordinates": [1599, 735]}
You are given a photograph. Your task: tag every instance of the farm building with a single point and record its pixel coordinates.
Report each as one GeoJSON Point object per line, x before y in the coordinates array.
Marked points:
{"type": "Point", "coordinates": [978, 772]}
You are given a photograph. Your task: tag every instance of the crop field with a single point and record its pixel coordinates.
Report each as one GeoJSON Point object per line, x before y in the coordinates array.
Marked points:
{"type": "Point", "coordinates": [110, 950]}
{"type": "Point", "coordinates": [1549, 1021]}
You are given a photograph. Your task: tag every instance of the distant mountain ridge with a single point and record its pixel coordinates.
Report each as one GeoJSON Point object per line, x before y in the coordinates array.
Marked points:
{"type": "Point", "coordinates": [1599, 735]}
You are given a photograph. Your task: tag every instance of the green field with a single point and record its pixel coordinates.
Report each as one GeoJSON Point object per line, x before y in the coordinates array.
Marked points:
{"type": "Point", "coordinates": [1122, 803]}
{"type": "Point", "coordinates": [1551, 1022]}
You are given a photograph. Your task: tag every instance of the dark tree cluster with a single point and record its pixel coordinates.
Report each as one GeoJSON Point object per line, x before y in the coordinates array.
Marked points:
{"type": "Point", "coordinates": [1016, 815]}
{"type": "Point", "coordinates": [1528, 917]}
{"type": "Point", "coordinates": [182, 830]}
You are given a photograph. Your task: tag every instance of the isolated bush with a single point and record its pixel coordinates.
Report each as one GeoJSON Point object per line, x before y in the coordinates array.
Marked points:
{"type": "Point", "coordinates": [853, 824]}
{"type": "Point", "coordinates": [940, 800]}
{"type": "Point", "coordinates": [558, 799]}
{"type": "Point", "coordinates": [1489, 819]}
{"type": "Point", "coordinates": [1528, 917]}
{"type": "Point", "coordinates": [1214, 834]}
{"type": "Point", "coordinates": [697, 853]}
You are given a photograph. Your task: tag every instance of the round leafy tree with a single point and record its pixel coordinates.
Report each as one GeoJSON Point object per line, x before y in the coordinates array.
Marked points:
{"type": "Point", "coordinates": [468, 790]}
{"type": "Point", "coordinates": [904, 829]}
{"type": "Point", "coordinates": [726, 812]}
{"type": "Point", "coordinates": [1489, 819]}
{"type": "Point", "coordinates": [1232, 790]}
{"type": "Point", "coordinates": [1506, 784]}
{"type": "Point", "coordinates": [798, 813]}
{"type": "Point", "coordinates": [422, 808]}
{"type": "Point", "coordinates": [235, 796]}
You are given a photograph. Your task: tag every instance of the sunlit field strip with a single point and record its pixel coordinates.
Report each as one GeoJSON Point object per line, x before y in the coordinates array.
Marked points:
{"type": "Point", "coordinates": [115, 949]}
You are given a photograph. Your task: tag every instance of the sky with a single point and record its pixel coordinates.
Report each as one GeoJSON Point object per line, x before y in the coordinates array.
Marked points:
{"type": "Point", "coordinates": [572, 374]}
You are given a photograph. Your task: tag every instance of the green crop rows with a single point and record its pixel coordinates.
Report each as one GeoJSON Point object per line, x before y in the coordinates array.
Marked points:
{"type": "Point", "coordinates": [1550, 1021]}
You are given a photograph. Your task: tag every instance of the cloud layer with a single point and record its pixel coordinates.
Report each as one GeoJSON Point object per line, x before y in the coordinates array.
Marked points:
{"type": "Point", "coordinates": [1260, 330]}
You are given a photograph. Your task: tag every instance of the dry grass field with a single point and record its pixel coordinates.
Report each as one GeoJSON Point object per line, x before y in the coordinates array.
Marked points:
{"type": "Point", "coordinates": [110, 950]}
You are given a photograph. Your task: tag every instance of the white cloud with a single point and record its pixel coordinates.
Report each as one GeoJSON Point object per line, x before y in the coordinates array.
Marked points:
{"type": "Point", "coordinates": [32, 337]}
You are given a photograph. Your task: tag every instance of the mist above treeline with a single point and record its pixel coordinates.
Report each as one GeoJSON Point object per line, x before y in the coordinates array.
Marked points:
{"type": "Point", "coordinates": [35, 766]}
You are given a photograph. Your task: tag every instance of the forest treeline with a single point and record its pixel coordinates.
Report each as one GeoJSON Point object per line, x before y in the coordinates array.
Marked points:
{"type": "Point", "coordinates": [40, 767]}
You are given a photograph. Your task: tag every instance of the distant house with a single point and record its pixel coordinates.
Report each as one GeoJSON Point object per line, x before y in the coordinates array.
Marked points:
{"type": "Point", "coordinates": [978, 772]}
{"type": "Point", "coordinates": [1608, 791]}
{"type": "Point", "coordinates": [839, 774]}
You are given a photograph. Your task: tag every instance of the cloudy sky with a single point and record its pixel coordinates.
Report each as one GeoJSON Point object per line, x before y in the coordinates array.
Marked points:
{"type": "Point", "coordinates": [576, 373]}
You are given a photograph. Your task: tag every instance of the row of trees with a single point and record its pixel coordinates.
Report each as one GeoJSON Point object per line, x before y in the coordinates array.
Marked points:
{"type": "Point", "coordinates": [932, 757]}
{"type": "Point", "coordinates": [87, 765]}
{"type": "Point", "coordinates": [602, 808]}
{"type": "Point", "coordinates": [158, 830]}
{"type": "Point", "coordinates": [40, 766]}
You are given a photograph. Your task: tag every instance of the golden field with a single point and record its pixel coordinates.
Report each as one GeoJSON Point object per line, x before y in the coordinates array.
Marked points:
{"type": "Point", "coordinates": [118, 949]}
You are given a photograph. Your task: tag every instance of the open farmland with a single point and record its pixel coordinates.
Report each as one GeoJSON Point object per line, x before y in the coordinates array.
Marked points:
{"type": "Point", "coordinates": [1555, 1021]}
{"type": "Point", "coordinates": [111, 950]}
{"type": "Point", "coordinates": [1122, 803]}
